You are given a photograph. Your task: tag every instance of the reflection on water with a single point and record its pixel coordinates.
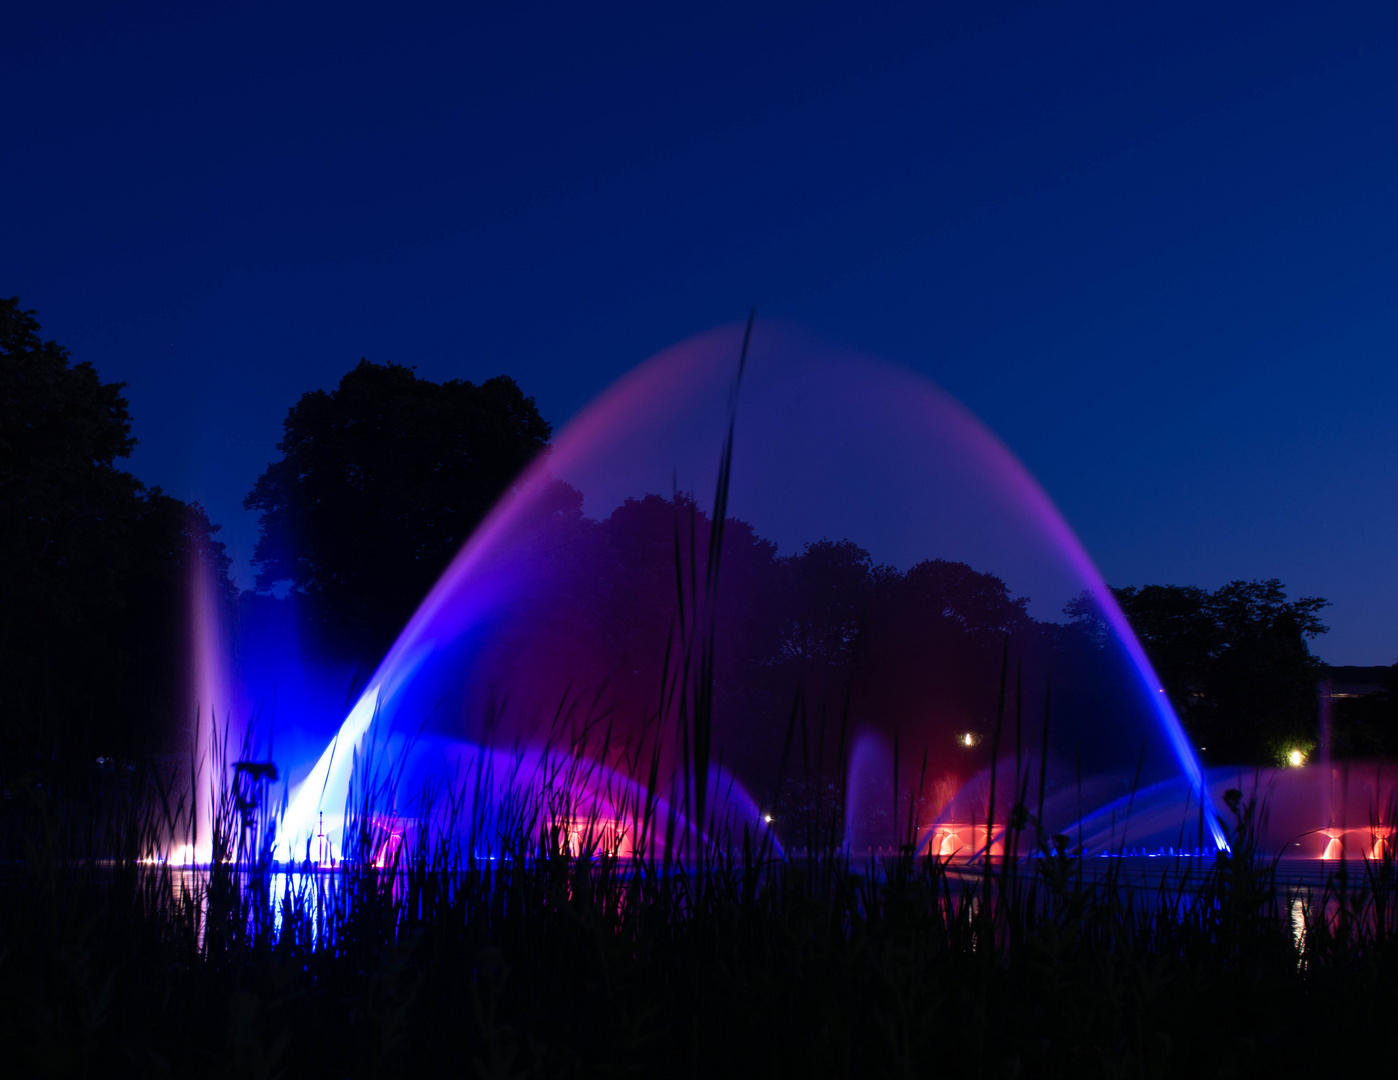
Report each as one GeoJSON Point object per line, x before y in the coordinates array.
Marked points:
{"type": "Point", "coordinates": [302, 903]}
{"type": "Point", "coordinates": [1298, 922]}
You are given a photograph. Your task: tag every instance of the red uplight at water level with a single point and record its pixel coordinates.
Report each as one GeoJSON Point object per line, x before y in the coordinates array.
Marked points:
{"type": "Point", "coordinates": [388, 840]}
{"type": "Point", "coordinates": [596, 837]}
{"type": "Point", "coordinates": [1367, 842]}
{"type": "Point", "coordinates": [951, 840]}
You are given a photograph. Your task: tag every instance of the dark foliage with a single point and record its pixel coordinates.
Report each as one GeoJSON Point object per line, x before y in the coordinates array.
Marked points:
{"type": "Point", "coordinates": [1235, 662]}
{"type": "Point", "coordinates": [545, 961]}
{"type": "Point", "coordinates": [380, 483]}
{"type": "Point", "coordinates": [94, 566]}
{"type": "Point", "coordinates": [1366, 725]}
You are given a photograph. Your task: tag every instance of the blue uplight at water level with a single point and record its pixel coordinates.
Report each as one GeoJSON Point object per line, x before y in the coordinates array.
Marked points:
{"type": "Point", "coordinates": [328, 782]}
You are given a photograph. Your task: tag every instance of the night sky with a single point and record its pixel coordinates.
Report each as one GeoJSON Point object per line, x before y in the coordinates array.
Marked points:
{"type": "Point", "coordinates": [1155, 248]}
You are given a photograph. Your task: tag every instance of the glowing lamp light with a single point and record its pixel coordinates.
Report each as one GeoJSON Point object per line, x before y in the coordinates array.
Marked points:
{"type": "Point", "coordinates": [767, 818]}
{"type": "Point", "coordinates": [1296, 758]}
{"type": "Point", "coordinates": [968, 739]}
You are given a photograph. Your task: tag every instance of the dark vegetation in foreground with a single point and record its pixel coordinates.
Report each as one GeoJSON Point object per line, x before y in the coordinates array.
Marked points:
{"type": "Point", "coordinates": [559, 960]}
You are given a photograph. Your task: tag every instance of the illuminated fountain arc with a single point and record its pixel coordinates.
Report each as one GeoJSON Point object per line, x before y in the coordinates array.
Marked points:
{"type": "Point", "coordinates": [1028, 491]}
{"type": "Point", "coordinates": [828, 444]}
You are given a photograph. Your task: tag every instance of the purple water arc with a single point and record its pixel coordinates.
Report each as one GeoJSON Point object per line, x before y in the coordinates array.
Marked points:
{"type": "Point", "coordinates": [627, 443]}
{"type": "Point", "coordinates": [1026, 490]}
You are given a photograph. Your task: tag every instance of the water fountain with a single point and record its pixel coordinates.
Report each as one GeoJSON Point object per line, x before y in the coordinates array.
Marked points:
{"type": "Point", "coordinates": [598, 627]}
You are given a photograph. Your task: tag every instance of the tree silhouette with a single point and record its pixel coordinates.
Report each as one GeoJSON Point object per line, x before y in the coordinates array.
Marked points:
{"type": "Point", "coordinates": [1367, 725]}
{"type": "Point", "coordinates": [93, 565]}
{"type": "Point", "coordinates": [1235, 662]}
{"type": "Point", "coordinates": [380, 483]}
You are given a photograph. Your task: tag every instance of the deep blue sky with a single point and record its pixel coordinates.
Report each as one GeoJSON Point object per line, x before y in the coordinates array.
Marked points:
{"type": "Point", "coordinates": [1156, 248]}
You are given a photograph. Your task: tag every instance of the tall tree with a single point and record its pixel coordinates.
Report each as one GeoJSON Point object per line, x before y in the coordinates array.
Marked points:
{"type": "Point", "coordinates": [1236, 662]}
{"type": "Point", "coordinates": [380, 483]}
{"type": "Point", "coordinates": [93, 565]}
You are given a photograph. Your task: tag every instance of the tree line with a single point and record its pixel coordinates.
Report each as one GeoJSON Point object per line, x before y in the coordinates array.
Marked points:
{"type": "Point", "coordinates": [380, 480]}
